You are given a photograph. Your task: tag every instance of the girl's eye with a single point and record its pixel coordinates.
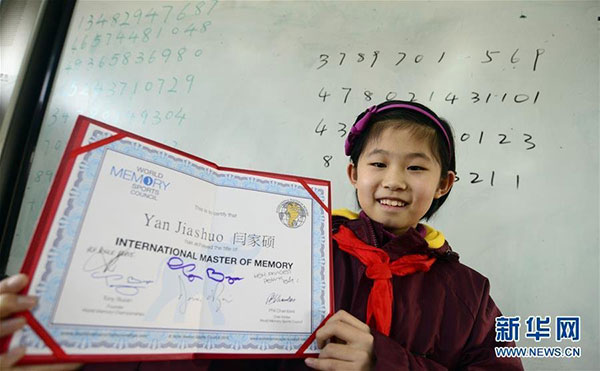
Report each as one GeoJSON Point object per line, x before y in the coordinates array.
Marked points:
{"type": "Point", "coordinates": [416, 168]}
{"type": "Point", "coordinates": [378, 164]}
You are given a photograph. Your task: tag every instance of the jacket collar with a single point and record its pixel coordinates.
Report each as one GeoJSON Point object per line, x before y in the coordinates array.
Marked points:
{"type": "Point", "coordinates": [411, 242]}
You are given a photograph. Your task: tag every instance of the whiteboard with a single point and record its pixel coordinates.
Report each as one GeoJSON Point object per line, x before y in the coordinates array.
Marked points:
{"type": "Point", "coordinates": [274, 86]}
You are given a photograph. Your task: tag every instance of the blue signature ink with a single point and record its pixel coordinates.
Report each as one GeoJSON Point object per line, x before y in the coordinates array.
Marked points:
{"type": "Point", "coordinates": [131, 287]}
{"type": "Point", "coordinates": [175, 263]}
{"type": "Point", "coordinates": [220, 277]}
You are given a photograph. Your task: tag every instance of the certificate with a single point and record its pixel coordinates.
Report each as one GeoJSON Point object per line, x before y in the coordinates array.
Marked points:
{"type": "Point", "coordinates": [145, 252]}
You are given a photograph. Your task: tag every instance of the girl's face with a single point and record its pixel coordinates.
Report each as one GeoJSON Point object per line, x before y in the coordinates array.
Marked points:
{"type": "Point", "coordinates": [397, 178]}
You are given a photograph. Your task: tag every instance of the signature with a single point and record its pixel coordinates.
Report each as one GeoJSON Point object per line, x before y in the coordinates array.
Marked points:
{"type": "Point", "coordinates": [216, 296]}
{"type": "Point", "coordinates": [273, 298]}
{"type": "Point", "coordinates": [103, 269]}
{"type": "Point", "coordinates": [183, 297]}
{"type": "Point", "coordinates": [187, 269]}
{"type": "Point", "coordinates": [98, 261]}
{"type": "Point", "coordinates": [176, 263]}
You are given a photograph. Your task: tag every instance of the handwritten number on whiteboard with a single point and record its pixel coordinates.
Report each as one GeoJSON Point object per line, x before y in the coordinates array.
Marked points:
{"type": "Point", "coordinates": [181, 15]}
{"type": "Point", "coordinates": [152, 14]}
{"type": "Point", "coordinates": [212, 7]}
{"type": "Point", "coordinates": [375, 55]}
{"type": "Point", "coordinates": [133, 36]}
{"type": "Point", "coordinates": [138, 15]}
{"type": "Point", "coordinates": [190, 80]}
{"type": "Point", "coordinates": [347, 94]}
{"type": "Point", "coordinates": [475, 178]}
{"type": "Point", "coordinates": [54, 117]}
{"type": "Point", "coordinates": [168, 13]}
{"type": "Point", "coordinates": [173, 90]}
{"type": "Point", "coordinates": [321, 130]}
{"type": "Point", "coordinates": [327, 159]}
{"type": "Point", "coordinates": [450, 98]}
{"type": "Point", "coordinates": [162, 83]}
{"type": "Point", "coordinates": [101, 21]}
{"type": "Point", "coordinates": [342, 129]}
{"type": "Point", "coordinates": [205, 26]}
{"type": "Point", "coordinates": [527, 140]}
{"type": "Point", "coordinates": [115, 19]}
{"type": "Point", "coordinates": [199, 7]}
{"type": "Point", "coordinates": [181, 52]}
{"type": "Point", "coordinates": [120, 37]}
{"type": "Point", "coordinates": [180, 115]}
{"type": "Point", "coordinates": [126, 21]}
{"type": "Point", "coordinates": [324, 60]}
{"type": "Point", "coordinates": [156, 118]}
{"type": "Point", "coordinates": [124, 86]}
{"type": "Point", "coordinates": [140, 58]}
{"type": "Point", "coordinates": [323, 94]}
{"type": "Point", "coordinates": [90, 22]}
{"type": "Point", "coordinates": [503, 140]}
{"type": "Point", "coordinates": [402, 56]}
{"type": "Point", "coordinates": [146, 37]}
{"type": "Point", "coordinates": [190, 29]}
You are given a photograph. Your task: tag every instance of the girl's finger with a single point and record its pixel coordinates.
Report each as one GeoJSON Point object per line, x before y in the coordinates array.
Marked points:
{"type": "Point", "coordinates": [327, 364]}
{"type": "Point", "coordinates": [13, 284]}
{"type": "Point", "coordinates": [11, 325]}
{"type": "Point", "coordinates": [343, 352]}
{"type": "Point", "coordinates": [11, 357]}
{"type": "Point", "coordinates": [342, 315]}
{"type": "Point", "coordinates": [343, 331]}
{"type": "Point", "coordinates": [11, 303]}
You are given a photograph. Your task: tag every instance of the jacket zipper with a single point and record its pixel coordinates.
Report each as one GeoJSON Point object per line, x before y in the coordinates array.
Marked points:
{"type": "Point", "coordinates": [373, 234]}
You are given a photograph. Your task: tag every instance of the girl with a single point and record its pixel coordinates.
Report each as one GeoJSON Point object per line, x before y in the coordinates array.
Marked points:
{"type": "Point", "coordinates": [403, 300]}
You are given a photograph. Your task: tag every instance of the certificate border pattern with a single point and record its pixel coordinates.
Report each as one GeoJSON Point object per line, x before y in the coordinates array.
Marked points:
{"type": "Point", "coordinates": [59, 254]}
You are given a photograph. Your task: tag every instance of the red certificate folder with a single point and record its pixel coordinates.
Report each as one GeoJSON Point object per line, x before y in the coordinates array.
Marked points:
{"type": "Point", "coordinates": [61, 327]}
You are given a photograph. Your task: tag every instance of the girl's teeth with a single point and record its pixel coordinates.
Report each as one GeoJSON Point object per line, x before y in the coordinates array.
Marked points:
{"type": "Point", "coordinates": [391, 202]}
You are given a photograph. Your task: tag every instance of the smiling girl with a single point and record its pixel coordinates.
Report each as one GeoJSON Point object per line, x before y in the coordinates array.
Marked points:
{"type": "Point", "coordinates": [404, 300]}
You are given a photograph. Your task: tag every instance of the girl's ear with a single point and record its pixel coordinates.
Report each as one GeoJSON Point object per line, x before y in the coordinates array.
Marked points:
{"type": "Point", "coordinates": [352, 174]}
{"type": "Point", "coordinates": [445, 184]}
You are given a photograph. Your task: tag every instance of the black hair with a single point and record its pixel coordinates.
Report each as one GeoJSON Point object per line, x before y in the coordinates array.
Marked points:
{"type": "Point", "coordinates": [380, 121]}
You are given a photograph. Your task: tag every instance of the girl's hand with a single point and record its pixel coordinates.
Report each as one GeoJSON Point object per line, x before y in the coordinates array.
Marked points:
{"type": "Point", "coordinates": [11, 302]}
{"type": "Point", "coordinates": [346, 343]}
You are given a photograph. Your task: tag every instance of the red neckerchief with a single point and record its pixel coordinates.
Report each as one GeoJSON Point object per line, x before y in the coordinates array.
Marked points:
{"type": "Point", "coordinates": [380, 270]}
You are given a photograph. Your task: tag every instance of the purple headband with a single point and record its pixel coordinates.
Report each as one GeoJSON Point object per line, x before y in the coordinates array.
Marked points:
{"type": "Point", "coordinates": [361, 124]}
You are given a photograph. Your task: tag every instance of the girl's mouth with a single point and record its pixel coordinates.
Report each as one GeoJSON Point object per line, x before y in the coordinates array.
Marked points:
{"type": "Point", "coordinates": [390, 202]}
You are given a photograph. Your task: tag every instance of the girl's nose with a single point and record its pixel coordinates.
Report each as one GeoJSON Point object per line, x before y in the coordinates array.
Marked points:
{"type": "Point", "coordinates": [394, 181]}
